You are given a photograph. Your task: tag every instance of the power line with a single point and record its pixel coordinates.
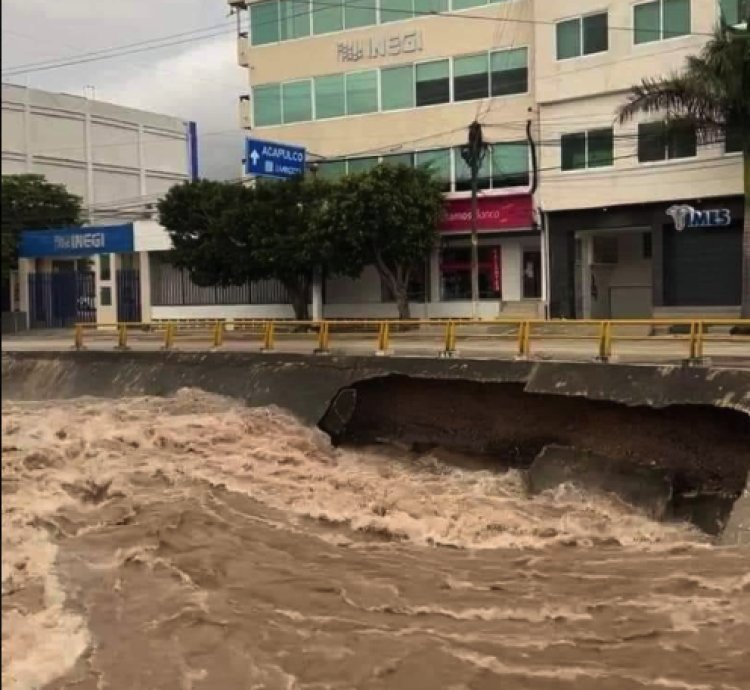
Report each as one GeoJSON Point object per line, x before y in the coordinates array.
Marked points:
{"type": "Point", "coordinates": [142, 46]}
{"type": "Point", "coordinates": [122, 53]}
{"type": "Point", "coordinates": [42, 64]}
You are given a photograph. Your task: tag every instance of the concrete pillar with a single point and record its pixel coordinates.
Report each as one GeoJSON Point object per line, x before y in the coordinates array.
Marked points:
{"type": "Point", "coordinates": [27, 132]}
{"type": "Point", "coordinates": [25, 267]}
{"type": "Point", "coordinates": [435, 275]}
{"type": "Point", "coordinates": [587, 245]}
{"type": "Point", "coordinates": [317, 295]}
{"type": "Point", "coordinates": [544, 267]}
{"type": "Point", "coordinates": [145, 279]}
{"type": "Point", "coordinates": [106, 287]}
{"type": "Point", "coordinates": [89, 144]}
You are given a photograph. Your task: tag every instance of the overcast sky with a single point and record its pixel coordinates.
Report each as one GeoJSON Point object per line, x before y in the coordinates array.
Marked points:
{"type": "Point", "coordinates": [199, 80]}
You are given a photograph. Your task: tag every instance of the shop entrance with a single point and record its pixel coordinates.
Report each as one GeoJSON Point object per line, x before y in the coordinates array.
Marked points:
{"type": "Point", "coordinates": [614, 274]}
{"type": "Point", "coordinates": [455, 271]}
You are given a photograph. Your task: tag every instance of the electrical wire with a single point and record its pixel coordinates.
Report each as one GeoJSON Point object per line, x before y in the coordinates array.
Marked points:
{"type": "Point", "coordinates": [165, 41]}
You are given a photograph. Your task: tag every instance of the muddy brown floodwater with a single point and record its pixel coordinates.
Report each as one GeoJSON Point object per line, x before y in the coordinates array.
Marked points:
{"type": "Point", "coordinates": [193, 543]}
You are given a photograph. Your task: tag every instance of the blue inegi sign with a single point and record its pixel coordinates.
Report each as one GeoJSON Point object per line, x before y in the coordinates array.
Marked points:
{"type": "Point", "coordinates": [77, 241]}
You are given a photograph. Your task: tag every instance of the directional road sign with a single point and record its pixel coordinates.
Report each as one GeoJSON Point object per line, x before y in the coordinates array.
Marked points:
{"type": "Point", "coordinates": [271, 159]}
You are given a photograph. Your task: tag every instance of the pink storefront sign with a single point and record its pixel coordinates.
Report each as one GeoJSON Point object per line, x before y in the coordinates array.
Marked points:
{"type": "Point", "coordinates": [495, 214]}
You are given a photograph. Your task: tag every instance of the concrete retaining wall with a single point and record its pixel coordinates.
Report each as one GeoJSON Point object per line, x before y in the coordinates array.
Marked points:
{"type": "Point", "coordinates": [692, 424]}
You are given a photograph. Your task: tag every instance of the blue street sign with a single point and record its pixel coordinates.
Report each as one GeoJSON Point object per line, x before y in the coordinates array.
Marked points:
{"type": "Point", "coordinates": [77, 241]}
{"type": "Point", "coordinates": [270, 159]}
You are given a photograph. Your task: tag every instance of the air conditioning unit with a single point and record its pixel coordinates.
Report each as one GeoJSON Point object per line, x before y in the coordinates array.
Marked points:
{"type": "Point", "coordinates": [243, 49]}
{"type": "Point", "coordinates": [246, 120]}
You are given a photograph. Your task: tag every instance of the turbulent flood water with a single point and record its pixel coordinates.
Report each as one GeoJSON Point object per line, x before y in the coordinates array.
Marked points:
{"type": "Point", "coordinates": [192, 543]}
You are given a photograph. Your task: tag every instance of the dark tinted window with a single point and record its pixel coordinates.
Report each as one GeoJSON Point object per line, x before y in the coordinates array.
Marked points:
{"type": "Point", "coordinates": [432, 83]}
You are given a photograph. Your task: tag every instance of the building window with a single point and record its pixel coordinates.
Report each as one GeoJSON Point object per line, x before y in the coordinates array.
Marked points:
{"type": "Point", "coordinates": [510, 164]}
{"type": "Point", "coordinates": [296, 98]}
{"type": "Point", "coordinates": [362, 92]}
{"type": "Point", "coordinates": [463, 173]}
{"type": "Point", "coordinates": [397, 88]}
{"type": "Point", "coordinates": [267, 105]}
{"type": "Point", "coordinates": [439, 162]}
{"type": "Point", "coordinates": [592, 149]}
{"type": "Point", "coordinates": [661, 19]}
{"type": "Point", "coordinates": [360, 165]}
{"type": "Point", "coordinates": [470, 77]}
{"type": "Point", "coordinates": [294, 19]}
{"type": "Point", "coordinates": [328, 18]}
{"type": "Point", "coordinates": [457, 5]}
{"type": "Point", "coordinates": [360, 13]}
{"type": "Point", "coordinates": [330, 98]}
{"type": "Point", "coordinates": [332, 170]}
{"type": "Point", "coordinates": [424, 6]}
{"type": "Point", "coordinates": [455, 273]}
{"type": "Point", "coordinates": [264, 22]}
{"type": "Point", "coordinates": [658, 141]}
{"type": "Point", "coordinates": [732, 11]}
{"type": "Point", "coordinates": [509, 72]}
{"type": "Point", "coordinates": [105, 296]}
{"type": "Point", "coordinates": [433, 83]}
{"type": "Point", "coordinates": [395, 10]}
{"type": "Point", "coordinates": [406, 159]}
{"type": "Point", "coordinates": [105, 267]}
{"type": "Point", "coordinates": [582, 36]}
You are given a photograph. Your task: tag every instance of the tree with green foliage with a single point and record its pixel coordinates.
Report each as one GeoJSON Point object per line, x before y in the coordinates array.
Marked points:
{"type": "Point", "coordinates": [229, 234]}
{"type": "Point", "coordinates": [712, 92]}
{"type": "Point", "coordinates": [390, 216]}
{"type": "Point", "coordinates": [30, 202]}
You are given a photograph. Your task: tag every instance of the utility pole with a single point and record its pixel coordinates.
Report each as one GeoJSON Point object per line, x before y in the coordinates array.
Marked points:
{"type": "Point", "coordinates": [473, 154]}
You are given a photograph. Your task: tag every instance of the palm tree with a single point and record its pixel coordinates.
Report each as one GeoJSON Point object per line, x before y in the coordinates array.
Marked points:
{"type": "Point", "coordinates": [713, 93]}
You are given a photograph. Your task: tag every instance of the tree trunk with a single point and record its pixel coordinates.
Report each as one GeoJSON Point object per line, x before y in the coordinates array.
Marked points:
{"type": "Point", "coordinates": [298, 294]}
{"type": "Point", "coordinates": [398, 284]}
{"type": "Point", "coordinates": [745, 312]}
{"type": "Point", "coordinates": [402, 302]}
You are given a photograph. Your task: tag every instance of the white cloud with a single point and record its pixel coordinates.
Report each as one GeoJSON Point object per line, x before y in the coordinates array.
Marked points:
{"type": "Point", "coordinates": [198, 81]}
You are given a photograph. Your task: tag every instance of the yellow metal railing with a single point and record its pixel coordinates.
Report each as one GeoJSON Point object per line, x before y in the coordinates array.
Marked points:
{"type": "Point", "coordinates": [444, 334]}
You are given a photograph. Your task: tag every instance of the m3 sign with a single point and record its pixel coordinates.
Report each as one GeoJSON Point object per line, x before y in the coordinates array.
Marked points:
{"type": "Point", "coordinates": [685, 216]}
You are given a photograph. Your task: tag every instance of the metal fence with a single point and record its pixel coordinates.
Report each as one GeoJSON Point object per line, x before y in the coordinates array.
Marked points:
{"type": "Point", "coordinates": [60, 300]}
{"type": "Point", "coordinates": [173, 287]}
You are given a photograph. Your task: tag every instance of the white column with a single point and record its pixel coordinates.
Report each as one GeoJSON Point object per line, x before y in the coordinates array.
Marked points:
{"type": "Point", "coordinates": [89, 162]}
{"type": "Point", "coordinates": [544, 267]}
{"type": "Point", "coordinates": [435, 275]}
{"type": "Point", "coordinates": [106, 313]}
{"type": "Point", "coordinates": [587, 259]}
{"type": "Point", "coordinates": [25, 266]}
{"type": "Point", "coordinates": [317, 295]}
{"type": "Point", "coordinates": [141, 162]}
{"type": "Point", "coordinates": [145, 280]}
{"type": "Point", "coordinates": [27, 132]}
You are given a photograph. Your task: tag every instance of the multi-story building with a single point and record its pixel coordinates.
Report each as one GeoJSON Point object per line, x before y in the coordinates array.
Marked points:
{"type": "Point", "coordinates": [608, 189]}
{"type": "Point", "coordinates": [119, 161]}
{"type": "Point", "coordinates": [362, 82]}
{"type": "Point", "coordinates": [368, 81]}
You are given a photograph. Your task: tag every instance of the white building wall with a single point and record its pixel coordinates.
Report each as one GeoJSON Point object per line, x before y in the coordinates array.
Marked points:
{"type": "Point", "coordinates": [116, 159]}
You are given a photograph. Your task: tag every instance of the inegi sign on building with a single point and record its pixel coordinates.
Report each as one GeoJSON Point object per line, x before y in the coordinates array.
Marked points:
{"type": "Point", "coordinates": [270, 159]}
